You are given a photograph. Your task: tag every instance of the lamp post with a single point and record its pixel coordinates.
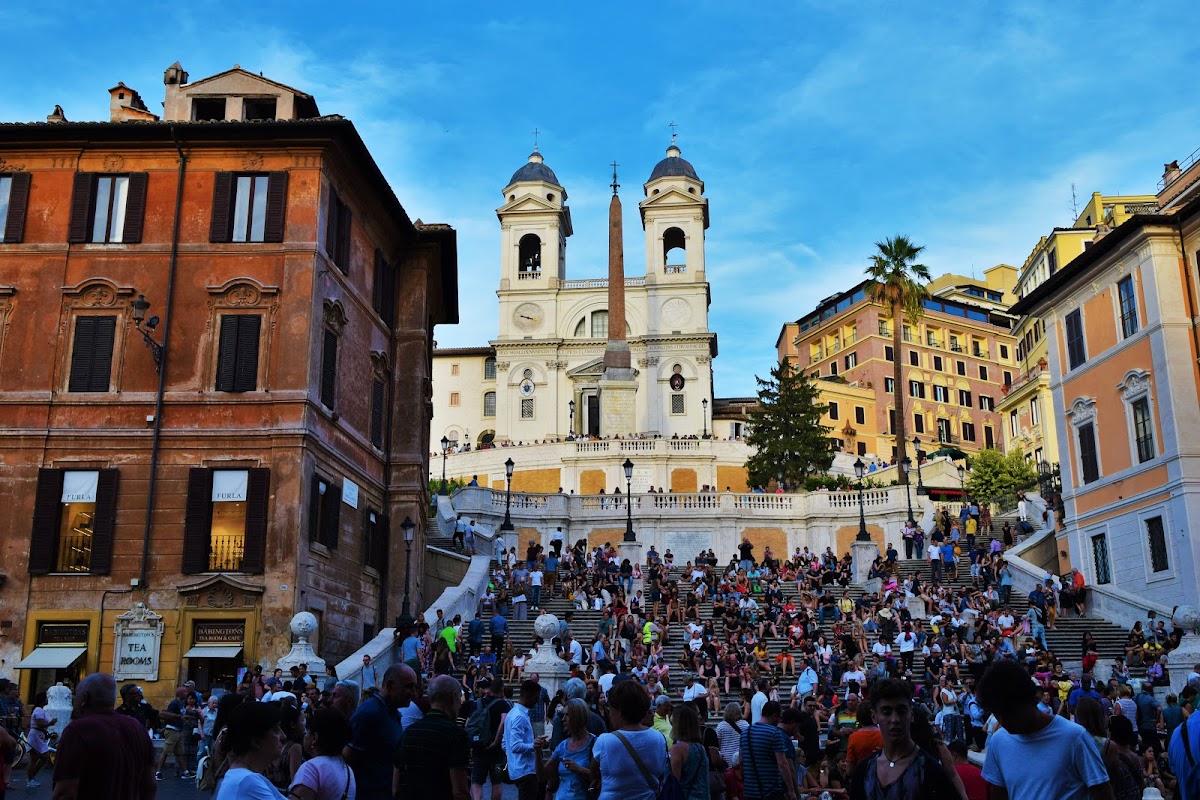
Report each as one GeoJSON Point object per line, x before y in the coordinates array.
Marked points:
{"type": "Point", "coordinates": [571, 407]}
{"type": "Point", "coordinates": [139, 307]}
{"type": "Point", "coordinates": [445, 447]}
{"type": "Point", "coordinates": [406, 618]}
{"type": "Point", "coordinates": [508, 471]}
{"type": "Point", "coordinates": [906, 465]}
{"type": "Point", "coordinates": [629, 535]}
{"type": "Point", "coordinates": [962, 483]}
{"type": "Point", "coordinates": [920, 456]}
{"type": "Point", "coordinates": [860, 469]}
{"type": "Point", "coordinates": [704, 416]}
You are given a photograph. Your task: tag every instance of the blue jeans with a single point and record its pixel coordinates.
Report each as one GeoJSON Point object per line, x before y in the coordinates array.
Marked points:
{"type": "Point", "coordinates": [537, 596]}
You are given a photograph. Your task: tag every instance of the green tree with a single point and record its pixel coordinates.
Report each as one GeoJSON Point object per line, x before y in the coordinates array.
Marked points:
{"type": "Point", "coordinates": [785, 430]}
{"type": "Point", "coordinates": [898, 282]}
{"type": "Point", "coordinates": [995, 476]}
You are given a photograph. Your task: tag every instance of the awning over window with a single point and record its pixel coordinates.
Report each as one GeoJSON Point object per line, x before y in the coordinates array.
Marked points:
{"type": "Point", "coordinates": [214, 651]}
{"type": "Point", "coordinates": [51, 657]}
{"type": "Point", "coordinates": [79, 486]}
{"type": "Point", "coordinates": [229, 485]}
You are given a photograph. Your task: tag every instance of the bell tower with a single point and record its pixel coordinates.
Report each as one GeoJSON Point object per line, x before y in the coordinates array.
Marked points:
{"type": "Point", "coordinates": [674, 216]}
{"type": "Point", "coordinates": [534, 224]}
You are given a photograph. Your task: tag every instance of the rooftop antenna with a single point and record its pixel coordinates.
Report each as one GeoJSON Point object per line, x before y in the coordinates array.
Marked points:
{"type": "Point", "coordinates": [674, 132]}
{"type": "Point", "coordinates": [615, 185]}
{"type": "Point", "coordinates": [536, 133]}
{"type": "Point", "coordinates": [1074, 204]}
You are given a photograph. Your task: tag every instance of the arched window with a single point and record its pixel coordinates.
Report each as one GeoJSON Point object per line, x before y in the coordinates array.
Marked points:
{"type": "Point", "coordinates": [600, 324]}
{"type": "Point", "coordinates": [674, 250]}
{"type": "Point", "coordinates": [489, 369]}
{"type": "Point", "coordinates": [489, 404]}
{"type": "Point", "coordinates": [530, 253]}
{"type": "Point", "coordinates": [581, 328]}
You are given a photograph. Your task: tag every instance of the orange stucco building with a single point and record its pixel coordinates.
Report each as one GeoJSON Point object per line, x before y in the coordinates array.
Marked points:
{"type": "Point", "coordinates": [1121, 322]}
{"type": "Point", "coordinates": [265, 465]}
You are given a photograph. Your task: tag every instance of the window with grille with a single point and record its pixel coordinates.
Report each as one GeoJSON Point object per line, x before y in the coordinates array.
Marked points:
{"type": "Point", "coordinates": [1143, 431]}
{"type": "Point", "coordinates": [1129, 320]}
{"type": "Point", "coordinates": [1100, 557]}
{"type": "Point", "coordinates": [527, 408]}
{"type": "Point", "coordinates": [1088, 462]}
{"type": "Point", "coordinates": [489, 404]}
{"type": "Point", "coordinates": [1157, 536]}
{"type": "Point", "coordinates": [599, 324]}
{"type": "Point", "coordinates": [1076, 351]}
{"type": "Point", "coordinates": [489, 369]}
{"type": "Point", "coordinates": [677, 404]}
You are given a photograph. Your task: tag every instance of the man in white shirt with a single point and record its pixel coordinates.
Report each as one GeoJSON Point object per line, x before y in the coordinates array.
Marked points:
{"type": "Point", "coordinates": [759, 700]}
{"type": "Point", "coordinates": [536, 578]}
{"type": "Point", "coordinates": [856, 674]}
{"type": "Point", "coordinates": [574, 651]}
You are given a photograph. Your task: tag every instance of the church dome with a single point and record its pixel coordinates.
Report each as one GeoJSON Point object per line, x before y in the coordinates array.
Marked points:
{"type": "Point", "coordinates": [535, 170]}
{"type": "Point", "coordinates": [673, 166]}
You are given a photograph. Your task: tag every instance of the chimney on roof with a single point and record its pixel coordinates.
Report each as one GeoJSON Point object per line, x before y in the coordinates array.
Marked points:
{"type": "Point", "coordinates": [1171, 172]}
{"type": "Point", "coordinates": [56, 115]}
{"type": "Point", "coordinates": [174, 75]}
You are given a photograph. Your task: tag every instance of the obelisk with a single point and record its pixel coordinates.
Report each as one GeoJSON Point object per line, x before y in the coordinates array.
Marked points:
{"type": "Point", "coordinates": [618, 385]}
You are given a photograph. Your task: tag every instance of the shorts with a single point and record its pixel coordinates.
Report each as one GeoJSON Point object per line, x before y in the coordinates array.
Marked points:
{"type": "Point", "coordinates": [173, 742]}
{"type": "Point", "coordinates": [485, 764]}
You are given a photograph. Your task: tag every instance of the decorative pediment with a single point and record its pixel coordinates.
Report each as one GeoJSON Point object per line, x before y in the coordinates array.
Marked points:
{"type": "Point", "coordinates": [221, 591]}
{"type": "Point", "coordinates": [1135, 384]}
{"type": "Point", "coordinates": [590, 369]}
{"type": "Point", "coordinates": [1082, 411]}
{"type": "Point", "coordinates": [528, 202]}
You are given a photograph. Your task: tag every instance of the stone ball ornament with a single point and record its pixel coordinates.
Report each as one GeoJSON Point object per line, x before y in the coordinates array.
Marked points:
{"type": "Point", "coordinates": [1186, 617]}
{"type": "Point", "coordinates": [303, 624]}
{"type": "Point", "coordinates": [546, 626]}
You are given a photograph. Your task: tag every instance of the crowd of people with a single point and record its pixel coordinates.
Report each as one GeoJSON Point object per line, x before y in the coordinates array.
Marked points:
{"type": "Point", "coordinates": [764, 677]}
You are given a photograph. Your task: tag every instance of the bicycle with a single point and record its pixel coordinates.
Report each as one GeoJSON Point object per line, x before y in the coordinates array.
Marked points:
{"type": "Point", "coordinates": [23, 748]}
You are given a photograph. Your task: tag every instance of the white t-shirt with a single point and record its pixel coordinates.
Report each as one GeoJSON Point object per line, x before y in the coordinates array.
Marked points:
{"type": "Point", "coordinates": [1059, 762]}
{"type": "Point", "coordinates": [535, 577]}
{"type": "Point", "coordinates": [882, 650]}
{"type": "Point", "coordinates": [606, 682]}
{"type": "Point", "coordinates": [908, 642]}
{"type": "Point", "coordinates": [242, 784]}
{"type": "Point", "coordinates": [327, 776]}
{"type": "Point", "coordinates": [692, 692]}
{"type": "Point", "coordinates": [756, 707]}
{"type": "Point", "coordinates": [854, 675]}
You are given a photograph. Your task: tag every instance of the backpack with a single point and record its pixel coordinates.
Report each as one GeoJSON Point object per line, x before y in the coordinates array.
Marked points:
{"type": "Point", "coordinates": [479, 724]}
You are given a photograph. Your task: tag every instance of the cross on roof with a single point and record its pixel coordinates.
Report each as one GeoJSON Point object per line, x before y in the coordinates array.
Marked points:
{"type": "Point", "coordinates": [615, 185]}
{"type": "Point", "coordinates": [674, 132]}
{"type": "Point", "coordinates": [536, 133]}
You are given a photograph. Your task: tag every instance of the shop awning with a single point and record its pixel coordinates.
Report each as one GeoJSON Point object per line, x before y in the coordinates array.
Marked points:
{"type": "Point", "coordinates": [214, 651]}
{"type": "Point", "coordinates": [51, 657]}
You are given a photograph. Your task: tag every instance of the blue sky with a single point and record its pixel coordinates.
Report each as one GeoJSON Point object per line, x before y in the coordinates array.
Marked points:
{"type": "Point", "coordinates": [818, 127]}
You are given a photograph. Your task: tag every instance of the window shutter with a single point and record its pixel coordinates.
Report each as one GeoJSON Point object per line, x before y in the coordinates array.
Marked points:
{"type": "Point", "coordinates": [329, 369]}
{"type": "Point", "coordinates": [377, 284]}
{"type": "Point", "coordinates": [81, 203]}
{"type": "Point", "coordinates": [221, 230]}
{"type": "Point", "coordinates": [105, 523]}
{"type": "Point", "coordinates": [47, 517]}
{"type": "Point", "coordinates": [343, 240]}
{"type": "Point", "coordinates": [197, 521]}
{"type": "Point", "coordinates": [18, 202]}
{"type": "Point", "coordinates": [227, 354]}
{"type": "Point", "coordinates": [331, 223]}
{"type": "Point", "coordinates": [314, 505]}
{"type": "Point", "coordinates": [277, 185]}
{"type": "Point", "coordinates": [377, 401]}
{"type": "Point", "coordinates": [382, 538]}
{"type": "Point", "coordinates": [91, 355]}
{"type": "Point", "coordinates": [388, 308]}
{"type": "Point", "coordinates": [258, 495]}
{"type": "Point", "coordinates": [332, 517]}
{"type": "Point", "coordinates": [135, 208]}
{"type": "Point", "coordinates": [246, 368]}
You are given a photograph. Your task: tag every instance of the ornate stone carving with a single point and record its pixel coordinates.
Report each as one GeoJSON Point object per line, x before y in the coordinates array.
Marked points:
{"type": "Point", "coordinates": [114, 163]}
{"type": "Point", "coordinates": [381, 365]}
{"type": "Point", "coordinates": [702, 359]}
{"type": "Point", "coordinates": [243, 295]}
{"type": "Point", "coordinates": [219, 597]}
{"type": "Point", "coordinates": [501, 365]}
{"type": "Point", "coordinates": [11, 166]}
{"type": "Point", "coordinates": [1135, 384]}
{"type": "Point", "coordinates": [252, 161]}
{"type": "Point", "coordinates": [1082, 411]}
{"type": "Point", "coordinates": [335, 316]}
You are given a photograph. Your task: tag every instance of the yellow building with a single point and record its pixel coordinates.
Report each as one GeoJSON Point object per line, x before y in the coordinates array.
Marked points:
{"type": "Point", "coordinates": [1027, 402]}
{"type": "Point", "coordinates": [956, 359]}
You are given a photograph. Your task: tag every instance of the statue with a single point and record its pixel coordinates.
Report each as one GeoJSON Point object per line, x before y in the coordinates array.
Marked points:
{"type": "Point", "coordinates": [59, 704]}
{"type": "Point", "coordinates": [303, 625]}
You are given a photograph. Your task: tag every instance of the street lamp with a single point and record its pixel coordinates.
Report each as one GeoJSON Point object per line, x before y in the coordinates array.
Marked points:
{"type": "Point", "coordinates": [860, 469]}
{"type": "Point", "coordinates": [571, 406]}
{"type": "Point", "coordinates": [628, 466]}
{"type": "Point", "coordinates": [704, 416]}
{"type": "Point", "coordinates": [138, 308]}
{"type": "Point", "coordinates": [779, 478]}
{"type": "Point", "coordinates": [906, 465]}
{"type": "Point", "coordinates": [445, 447]}
{"type": "Point", "coordinates": [962, 483]}
{"type": "Point", "coordinates": [920, 456]}
{"type": "Point", "coordinates": [406, 618]}
{"type": "Point", "coordinates": [508, 470]}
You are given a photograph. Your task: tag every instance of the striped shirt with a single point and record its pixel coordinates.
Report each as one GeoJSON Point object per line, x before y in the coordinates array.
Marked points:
{"type": "Point", "coordinates": [760, 769]}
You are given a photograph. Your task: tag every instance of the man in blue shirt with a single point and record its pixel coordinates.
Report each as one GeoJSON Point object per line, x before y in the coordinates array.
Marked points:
{"type": "Point", "coordinates": [499, 628]}
{"type": "Point", "coordinates": [410, 651]}
{"type": "Point", "coordinates": [475, 629]}
{"type": "Point", "coordinates": [949, 564]}
{"type": "Point", "coordinates": [376, 731]}
{"type": "Point", "coordinates": [1183, 752]}
{"type": "Point", "coordinates": [520, 744]}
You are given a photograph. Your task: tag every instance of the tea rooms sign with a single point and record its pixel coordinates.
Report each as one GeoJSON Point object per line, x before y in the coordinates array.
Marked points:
{"type": "Point", "coordinates": [139, 634]}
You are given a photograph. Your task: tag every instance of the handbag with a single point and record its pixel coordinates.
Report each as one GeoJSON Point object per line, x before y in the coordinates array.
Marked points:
{"type": "Point", "coordinates": [776, 794]}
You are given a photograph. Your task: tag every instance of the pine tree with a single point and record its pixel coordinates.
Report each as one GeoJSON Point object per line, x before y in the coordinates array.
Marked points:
{"type": "Point", "coordinates": [786, 431]}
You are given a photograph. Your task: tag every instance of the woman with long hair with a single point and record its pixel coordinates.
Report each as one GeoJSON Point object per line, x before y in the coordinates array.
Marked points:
{"type": "Point", "coordinates": [568, 772]}
{"type": "Point", "coordinates": [689, 758]}
{"type": "Point", "coordinates": [254, 740]}
{"type": "Point", "coordinates": [1124, 768]}
{"type": "Point", "coordinates": [291, 753]}
{"type": "Point", "coordinates": [325, 775]}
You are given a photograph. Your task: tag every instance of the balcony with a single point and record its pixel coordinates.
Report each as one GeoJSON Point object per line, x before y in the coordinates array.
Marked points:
{"type": "Point", "coordinates": [979, 352]}
{"type": "Point", "coordinates": [908, 337]}
{"type": "Point", "coordinates": [529, 275]}
{"type": "Point", "coordinates": [675, 269]}
{"type": "Point", "coordinates": [932, 341]}
{"type": "Point", "coordinates": [226, 551]}
{"type": "Point", "coordinates": [884, 330]}
{"type": "Point", "coordinates": [955, 347]}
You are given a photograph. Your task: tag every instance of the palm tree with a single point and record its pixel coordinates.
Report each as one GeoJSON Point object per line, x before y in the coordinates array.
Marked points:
{"type": "Point", "coordinates": [899, 284]}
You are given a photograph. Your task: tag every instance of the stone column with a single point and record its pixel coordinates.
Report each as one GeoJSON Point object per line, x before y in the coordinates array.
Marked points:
{"type": "Point", "coordinates": [863, 554]}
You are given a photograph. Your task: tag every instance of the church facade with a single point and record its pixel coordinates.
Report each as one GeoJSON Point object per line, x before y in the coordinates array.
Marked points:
{"type": "Point", "coordinates": [543, 376]}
